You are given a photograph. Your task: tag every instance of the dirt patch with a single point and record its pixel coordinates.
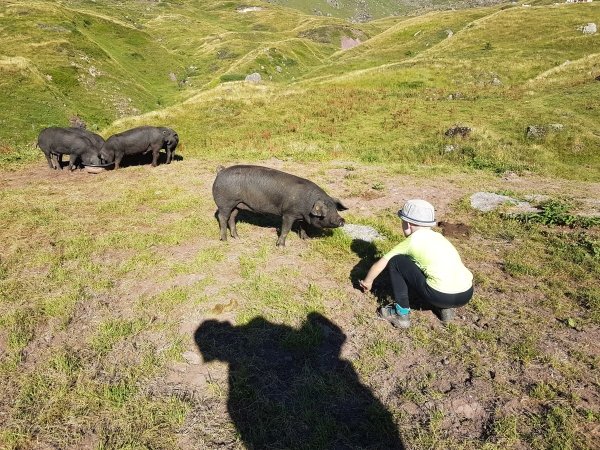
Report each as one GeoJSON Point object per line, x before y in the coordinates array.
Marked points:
{"type": "Point", "coordinates": [451, 382]}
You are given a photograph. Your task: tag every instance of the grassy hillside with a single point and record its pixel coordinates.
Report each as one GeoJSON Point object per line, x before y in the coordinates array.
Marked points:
{"type": "Point", "coordinates": [113, 59]}
{"type": "Point", "coordinates": [126, 323]}
{"type": "Point", "coordinates": [362, 11]}
{"type": "Point", "coordinates": [383, 112]}
{"type": "Point", "coordinates": [496, 70]}
{"type": "Point", "coordinates": [57, 62]}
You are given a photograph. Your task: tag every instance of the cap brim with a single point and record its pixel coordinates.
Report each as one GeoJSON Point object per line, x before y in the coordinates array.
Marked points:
{"type": "Point", "coordinates": [417, 222]}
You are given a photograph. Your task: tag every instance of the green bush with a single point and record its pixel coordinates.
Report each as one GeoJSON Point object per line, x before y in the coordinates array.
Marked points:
{"type": "Point", "coordinates": [232, 77]}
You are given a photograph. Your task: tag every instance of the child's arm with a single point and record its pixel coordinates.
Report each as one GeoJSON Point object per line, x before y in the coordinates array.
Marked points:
{"type": "Point", "coordinates": [374, 271]}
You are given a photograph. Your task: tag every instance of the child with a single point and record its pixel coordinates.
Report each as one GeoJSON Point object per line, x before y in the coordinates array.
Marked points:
{"type": "Point", "coordinates": [425, 263]}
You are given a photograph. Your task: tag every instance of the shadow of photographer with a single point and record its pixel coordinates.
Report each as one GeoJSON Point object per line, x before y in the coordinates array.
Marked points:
{"type": "Point", "coordinates": [289, 388]}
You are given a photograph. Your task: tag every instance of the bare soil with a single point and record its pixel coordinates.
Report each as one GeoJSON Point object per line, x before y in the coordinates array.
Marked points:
{"type": "Point", "coordinates": [425, 378]}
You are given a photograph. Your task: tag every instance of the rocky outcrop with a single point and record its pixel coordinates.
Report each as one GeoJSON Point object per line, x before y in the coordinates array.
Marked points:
{"type": "Point", "coordinates": [253, 78]}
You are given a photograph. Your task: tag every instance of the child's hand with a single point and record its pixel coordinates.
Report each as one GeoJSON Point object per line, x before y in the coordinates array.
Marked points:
{"type": "Point", "coordinates": [365, 285]}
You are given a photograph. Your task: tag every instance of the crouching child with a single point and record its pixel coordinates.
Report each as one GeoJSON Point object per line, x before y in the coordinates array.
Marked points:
{"type": "Point", "coordinates": [425, 264]}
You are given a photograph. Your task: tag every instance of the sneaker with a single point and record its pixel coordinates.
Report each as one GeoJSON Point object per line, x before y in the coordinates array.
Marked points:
{"type": "Point", "coordinates": [389, 313]}
{"type": "Point", "coordinates": [446, 315]}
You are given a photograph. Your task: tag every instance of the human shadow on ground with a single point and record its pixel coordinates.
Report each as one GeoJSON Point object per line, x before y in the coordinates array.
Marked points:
{"type": "Point", "coordinates": [289, 388]}
{"type": "Point", "coordinates": [382, 286]}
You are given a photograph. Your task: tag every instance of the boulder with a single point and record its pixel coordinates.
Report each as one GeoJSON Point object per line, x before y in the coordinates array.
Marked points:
{"type": "Point", "coordinates": [539, 131]}
{"type": "Point", "coordinates": [253, 78]}
{"type": "Point", "coordinates": [362, 232]}
{"type": "Point", "coordinates": [535, 131]}
{"type": "Point", "coordinates": [590, 28]}
{"type": "Point", "coordinates": [488, 201]}
{"type": "Point", "coordinates": [463, 132]}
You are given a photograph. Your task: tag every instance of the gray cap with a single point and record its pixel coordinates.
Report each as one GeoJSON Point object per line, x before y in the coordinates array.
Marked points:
{"type": "Point", "coordinates": [418, 212]}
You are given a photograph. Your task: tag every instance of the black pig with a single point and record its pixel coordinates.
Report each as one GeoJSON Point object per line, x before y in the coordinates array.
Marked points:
{"type": "Point", "coordinates": [96, 139]}
{"type": "Point", "coordinates": [87, 159]}
{"type": "Point", "coordinates": [270, 191]}
{"type": "Point", "coordinates": [78, 144]}
{"type": "Point", "coordinates": [140, 140]}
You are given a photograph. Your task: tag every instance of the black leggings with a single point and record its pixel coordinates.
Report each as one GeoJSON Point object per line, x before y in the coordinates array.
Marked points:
{"type": "Point", "coordinates": [406, 276]}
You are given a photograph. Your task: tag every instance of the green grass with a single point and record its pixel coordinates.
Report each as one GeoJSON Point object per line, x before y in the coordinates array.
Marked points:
{"type": "Point", "coordinates": [145, 258]}
{"type": "Point", "coordinates": [104, 279]}
{"type": "Point", "coordinates": [407, 59]}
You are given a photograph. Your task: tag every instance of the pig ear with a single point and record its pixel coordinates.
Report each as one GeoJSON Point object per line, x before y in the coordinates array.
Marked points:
{"type": "Point", "coordinates": [319, 209]}
{"type": "Point", "coordinates": [339, 205]}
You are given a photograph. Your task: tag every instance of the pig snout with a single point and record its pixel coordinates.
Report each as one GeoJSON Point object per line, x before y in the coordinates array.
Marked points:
{"type": "Point", "coordinates": [334, 222]}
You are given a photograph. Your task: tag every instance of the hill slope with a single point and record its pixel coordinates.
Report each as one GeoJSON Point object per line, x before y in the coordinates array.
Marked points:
{"type": "Point", "coordinates": [126, 323]}
{"type": "Point", "coordinates": [494, 70]}
{"type": "Point", "coordinates": [362, 11]}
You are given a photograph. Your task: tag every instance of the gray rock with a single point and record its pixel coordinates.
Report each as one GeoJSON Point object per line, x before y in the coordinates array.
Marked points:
{"type": "Point", "coordinates": [488, 201]}
{"type": "Point", "coordinates": [362, 232]}
{"type": "Point", "coordinates": [535, 131]}
{"type": "Point", "coordinates": [590, 28]}
{"type": "Point", "coordinates": [254, 78]}
{"type": "Point", "coordinates": [449, 148]}
{"type": "Point", "coordinates": [458, 131]}
{"type": "Point", "coordinates": [539, 131]}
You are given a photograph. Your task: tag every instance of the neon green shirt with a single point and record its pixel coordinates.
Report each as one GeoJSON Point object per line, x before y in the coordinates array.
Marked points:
{"type": "Point", "coordinates": [437, 258]}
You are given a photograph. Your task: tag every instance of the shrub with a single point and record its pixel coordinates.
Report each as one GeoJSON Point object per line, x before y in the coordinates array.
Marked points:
{"type": "Point", "coordinates": [232, 77]}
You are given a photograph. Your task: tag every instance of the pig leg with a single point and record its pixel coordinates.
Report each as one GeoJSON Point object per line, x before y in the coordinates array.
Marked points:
{"type": "Point", "coordinates": [118, 161]}
{"type": "Point", "coordinates": [72, 161]}
{"type": "Point", "coordinates": [169, 156]}
{"type": "Point", "coordinates": [302, 232]}
{"type": "Point", "coordinates": [286, 226]}
{"type": "Point", "coordinates": [155, 152]}
{"type": "Point", "coordinates": [231, 223]}
{"type": "Point", "coordinates": [49, 159]}
{"type": "Point", "coordinates": [223, 215]}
